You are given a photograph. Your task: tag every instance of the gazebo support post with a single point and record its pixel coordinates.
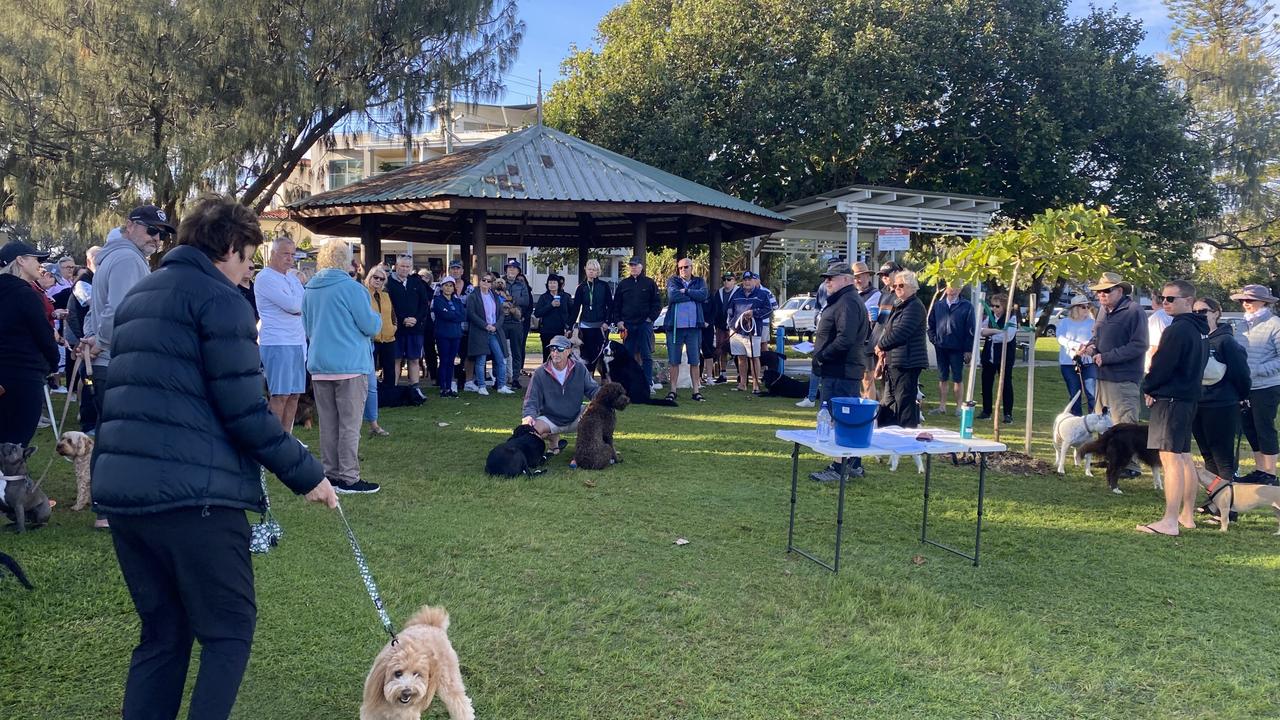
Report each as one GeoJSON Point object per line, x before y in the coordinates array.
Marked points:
{"type": "Point", "coordinates": [640, 235]}
{"type": "Point", "coordinates": [479, 245]}
{"type": "Point", "coordinates": [586, 228]}
{"type": "Point", "coordinates": [717, 254]}
{"type": "Point", "coordinates": [370, 241]}
{"type": "Point", "coordinates": [682, 237]}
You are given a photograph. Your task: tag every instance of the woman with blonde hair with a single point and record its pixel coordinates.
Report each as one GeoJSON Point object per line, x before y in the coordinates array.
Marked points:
{"type": "Point", "coordinates": [384, 348]}
{"type": "Point", "coordinates": [340, 324]}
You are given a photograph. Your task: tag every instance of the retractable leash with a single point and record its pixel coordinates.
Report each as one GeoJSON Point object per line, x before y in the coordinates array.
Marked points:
{"type": "Point", "coordinates": [369, 585]}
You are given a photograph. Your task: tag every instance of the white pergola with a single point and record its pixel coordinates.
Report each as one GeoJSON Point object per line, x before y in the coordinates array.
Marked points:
{"type": "Point", "coordinates": [845, 221]}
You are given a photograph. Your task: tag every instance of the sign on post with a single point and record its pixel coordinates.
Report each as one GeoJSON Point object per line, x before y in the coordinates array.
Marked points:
{"type": "Point", "coordinates": [893, 240]}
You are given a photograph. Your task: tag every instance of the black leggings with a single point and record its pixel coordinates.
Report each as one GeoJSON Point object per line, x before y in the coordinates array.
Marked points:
{"type": "Point", "coordinates": [384, 359]}
{"type": "Point", "coordinates": [20, 406]}
{"type": "Point", "coordinates": [989, 373]}
{"type": "Point", "coordinates": [1259, 420]}
{"type": "Point", "coordinates": [1214, 429]}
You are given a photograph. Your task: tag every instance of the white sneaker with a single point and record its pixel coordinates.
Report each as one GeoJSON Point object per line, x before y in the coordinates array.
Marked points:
{"type": "Point", "coordinates": [656, 386]}
{"type": "Point", "coordinates": [59, 391]}
{"type": "Point", "coordinates": [805, 403]}
{"type": "Point", "coordinates": [471, 387]}
{"type": "Point", "coordinates": [504, 390]}
{"type": "Point", "coordinates": [482, 390]}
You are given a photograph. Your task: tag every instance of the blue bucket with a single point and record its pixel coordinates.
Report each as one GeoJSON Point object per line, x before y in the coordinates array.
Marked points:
{"type": "Point", "coordinates": [855, 418]}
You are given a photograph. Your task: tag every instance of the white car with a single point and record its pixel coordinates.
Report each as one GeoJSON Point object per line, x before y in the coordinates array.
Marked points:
{"type": "Point", "coordinates": [799, 315]}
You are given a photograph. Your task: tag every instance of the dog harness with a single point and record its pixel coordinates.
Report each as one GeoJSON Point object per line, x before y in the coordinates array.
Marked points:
{"type": "Point", "coordinates": [1216, 487]}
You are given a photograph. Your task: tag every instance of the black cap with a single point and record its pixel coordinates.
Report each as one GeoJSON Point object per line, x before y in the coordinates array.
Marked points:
{"type": "Point", "coordinates": [727, 276]}
{"type": "Point", "coordinates": [837, 268]}
{"type": "Point", "coordinates": [635, 260]}
{"type": "Point", "coordinates": [152, 216]}
{"type": "Point", "coordinates": [16, 249]}
{"type": "Point", "coordinates": [889, 267]}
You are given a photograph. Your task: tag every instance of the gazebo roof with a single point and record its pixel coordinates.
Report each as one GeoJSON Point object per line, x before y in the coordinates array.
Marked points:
{"type": "Point", "coordinates": [538, 178]}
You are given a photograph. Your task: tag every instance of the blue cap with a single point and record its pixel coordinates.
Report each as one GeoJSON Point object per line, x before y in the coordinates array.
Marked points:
{"type": "Point", "coordinates": [455, 263]}
{"type": "Point", "coordinates": [635, 260]}
{"type": "Point", "coordinates": [748, 275]}
{"type": "Point", "coordinates": [512, 262]}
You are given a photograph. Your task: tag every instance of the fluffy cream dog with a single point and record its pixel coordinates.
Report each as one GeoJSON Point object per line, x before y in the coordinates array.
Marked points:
{"type": "Point", "coordinates": [1240, 497]}
{"type": "Point", "coordinates": [408, 672]}
{"type": "Point", "coordinates": [78, 447]}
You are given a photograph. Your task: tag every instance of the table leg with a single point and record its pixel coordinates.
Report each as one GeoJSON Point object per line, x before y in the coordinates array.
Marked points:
{"type": "Point", "coordinates": [924, 523]}
{"type": "Point", "coordinates": [982, 487]}
{"type": "Point", "coordinates": [795, 465]}
{"type": "Point", "coordinates": [844, 479]}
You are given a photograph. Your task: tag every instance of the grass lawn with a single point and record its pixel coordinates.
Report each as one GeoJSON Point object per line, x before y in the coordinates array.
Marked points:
{"type": "Point", "coordinates": [571, 601]}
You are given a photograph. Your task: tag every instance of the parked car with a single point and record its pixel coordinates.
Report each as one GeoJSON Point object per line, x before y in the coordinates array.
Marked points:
{"type": "Point", "coordinates": [1236, 321]}
{"type": "Point", "coordinates": [799, 315]}
{"type": "Point", "coordinates": [1054, 318]}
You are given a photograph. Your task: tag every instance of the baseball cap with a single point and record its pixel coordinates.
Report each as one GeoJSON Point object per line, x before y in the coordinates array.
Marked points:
{"type": "Point", "coordinates": [512, 262]}
{"type": "Point", "coordinates": [838, 268]}
{"type": "Point", "coordinates": [727, 276]}
{"type": "Point", "coordinates": [449, 279]}
{"type": "Point", "coordinates": [889, 268]}
{"type": "Point", "coordinates": [748, 275]}
{"type": "Point", "coordinates": [455, 263]}
{"type": "Point", "coordinates": [635, 260]}
{"type": "Point", "coordinates": [152, 216]}
{"type": "Point", "coordinates": [561, 342]}
{"type": "Point", "coordinates": [16, 249]}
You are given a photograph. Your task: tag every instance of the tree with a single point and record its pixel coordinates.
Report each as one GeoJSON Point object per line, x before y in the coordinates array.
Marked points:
{"type": "Point", "coordinates": [773, 100]}
{"type": "Point", "coordinates": [1225, 61]}
{"type": "Point", "coordinates": [100, 106]}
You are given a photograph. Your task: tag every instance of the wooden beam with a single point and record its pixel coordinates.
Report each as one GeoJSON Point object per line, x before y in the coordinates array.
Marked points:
{"type": "Point", "coordinates": [370, 241]}
{"type": "Point", "coordinates": [640, 235]}
{"type": "Point", "coordinates": [682, 237]}
{"type": "Point", "coordinates": [586, 231]}
{"type": "Point", "coordinates": [479, 243]}
{"type": "Point", "coordinates": [715, 243]}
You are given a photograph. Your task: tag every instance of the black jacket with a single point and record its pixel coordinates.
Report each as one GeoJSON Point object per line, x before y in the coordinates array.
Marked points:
{"type": "Point", "coordinates": [904, 335]}
{"type": "Point", "coordinates": [185, 421]}
{"type": "Point", "coordinates": [592, 302]}
{"type": "Point", "coordinates": [1178, 365]}
{"type": "Point", "coordinates": [411, 298]}
{"type": "Point", "coordinates": [1120, 337]}
{"type": "Point", "coordinates": [554, 320]}
{"type": "Point", "coordinates": [635, 300]}
{"type": "Point", "coordinates": [717, 309]}
{"type": "Point", "coordinates": [1235, 385]}
{"type": "Point", "coordinates": [841, 336]}
{"type": "Point", "coordinates": [27, 347]}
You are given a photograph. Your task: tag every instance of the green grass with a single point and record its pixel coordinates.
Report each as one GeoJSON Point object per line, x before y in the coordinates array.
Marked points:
{"type": "Point", "coordinates": [574, 602]}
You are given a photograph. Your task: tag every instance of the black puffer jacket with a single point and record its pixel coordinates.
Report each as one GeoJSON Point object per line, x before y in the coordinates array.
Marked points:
{"type": "Point", "coordinates": [1235, 385]}
{"type": "Point", "coordinates": [841, 336]}
{"type": "Point", "coordinates": [27, 348]}
{"type": "Point", "coordinates": [185, 422]}
{"type": "Point", "coordinates": [904, 335]}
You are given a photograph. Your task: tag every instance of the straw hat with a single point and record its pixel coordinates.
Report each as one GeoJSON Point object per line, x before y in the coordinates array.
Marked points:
{"type": "Point", "coordinates": [1108, 281]}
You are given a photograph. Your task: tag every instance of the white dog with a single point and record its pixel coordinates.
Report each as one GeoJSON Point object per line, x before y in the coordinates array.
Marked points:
{"type": "Point", "coordinates": [1070, 432]}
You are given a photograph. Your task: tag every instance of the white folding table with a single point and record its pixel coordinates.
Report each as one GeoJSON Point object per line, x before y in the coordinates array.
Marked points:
{"type": "Point", "coordinates": [887, 442]}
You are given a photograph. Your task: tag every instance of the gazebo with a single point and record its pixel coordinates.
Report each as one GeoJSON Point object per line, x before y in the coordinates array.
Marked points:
{"type": "Point", "coordinates": [538, 188]}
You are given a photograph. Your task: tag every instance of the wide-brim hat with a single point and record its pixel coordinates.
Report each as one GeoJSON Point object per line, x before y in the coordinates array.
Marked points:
{"type": "Point", "coordinates": [1255, 292]}
{"type": "Point", "coordinates": [1078, 301]}
{"type": "Point", "coordinates": [1108, 281]}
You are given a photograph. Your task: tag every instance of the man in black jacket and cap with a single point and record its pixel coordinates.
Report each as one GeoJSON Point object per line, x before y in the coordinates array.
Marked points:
{"type": "Point", "coordinates": [411, 299]}
{"type": "Point", "coordinates": [839, 347]}
{"type": "Point", "coordinates": [177, 463]}
{"type": "Point", "coordinates": [635, 307]}
{"type": "Point", "coordinates": [1172, 389]}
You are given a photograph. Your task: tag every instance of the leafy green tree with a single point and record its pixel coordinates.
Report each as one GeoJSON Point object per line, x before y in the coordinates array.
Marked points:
{"type": "Point", "coordinates": [1226, 61]}
{"type": "Point", "coordinates": [772, 100]}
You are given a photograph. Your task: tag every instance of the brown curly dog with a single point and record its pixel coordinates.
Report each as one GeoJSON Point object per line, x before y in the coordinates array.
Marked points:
{"type": "Point", "coordinates": [594, 447]}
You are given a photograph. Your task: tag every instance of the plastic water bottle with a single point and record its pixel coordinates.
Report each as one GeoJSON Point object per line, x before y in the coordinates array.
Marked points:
{"type": "Point", "coordinates": [826, 431]}
{"type": "Point", "coordinates": [966, 420]}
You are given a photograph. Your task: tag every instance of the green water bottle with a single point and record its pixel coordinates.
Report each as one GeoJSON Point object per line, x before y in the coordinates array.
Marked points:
{"type": "Point", "coordinates": [966, 420]}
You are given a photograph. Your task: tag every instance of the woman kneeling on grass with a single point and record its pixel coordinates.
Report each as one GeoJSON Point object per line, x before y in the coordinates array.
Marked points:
{"type": "Point", "coordinates": [177, 463]}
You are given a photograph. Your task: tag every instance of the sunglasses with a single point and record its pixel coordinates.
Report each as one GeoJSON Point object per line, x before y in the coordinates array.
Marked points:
{"type": "Point", "coordinates": [556, 349]}
{"type": "Point", "coordinates": [379, 278]}
{"type": "Point", "coordinates": [1170, 298]}
{"type": "Point", "coordinates": [1202, 311]}
{"type": "Point", "coordinates": [1108, 291]}
{"type": "Point", "coordinates": [899, 286]}
{"type": "Point", "coordinates": [684, 267]}
{"type": "Point", "coordinates": [155, 231]}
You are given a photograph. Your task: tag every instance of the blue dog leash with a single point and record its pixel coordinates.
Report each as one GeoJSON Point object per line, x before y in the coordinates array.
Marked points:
{"type": "Point", "coordinates": [369, 585]}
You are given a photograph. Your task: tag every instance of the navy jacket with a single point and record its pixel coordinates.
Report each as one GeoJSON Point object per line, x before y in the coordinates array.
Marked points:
{"type": "Point", "coordinates": [1178, 365]}
{"type": "Point", "coordinates": [449, 316]}
{"type": "Point", "coordinates": [185, 422]}
{"type": "Point", "coordinates": [951, 327]}
{"type": "Point", "coordinates": [410, 299]}
{"type": "Point", "coordinates": [1120, 337]}
{"type": "Point", "coordinates": [26, 337]}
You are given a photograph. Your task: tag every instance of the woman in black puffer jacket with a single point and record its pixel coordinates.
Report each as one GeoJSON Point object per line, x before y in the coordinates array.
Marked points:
{"type": "Point", "coordinates": [554, 310]}
{"type": "Point", "coordinates": [903, 352]}
{"type": "Point", "coordinates": [1217, 417]}
{"type": "Point", "coordinates": [182, 434]}
{"type": "Point", "coordinates": [28, 352]}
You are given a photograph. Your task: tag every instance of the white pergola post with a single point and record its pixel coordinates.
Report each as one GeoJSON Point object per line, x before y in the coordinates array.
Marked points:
{"type": "Point", "coordinates": [851, 228]}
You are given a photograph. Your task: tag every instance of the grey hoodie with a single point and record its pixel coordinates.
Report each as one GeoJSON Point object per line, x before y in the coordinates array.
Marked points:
{"type": "Point", "coordinates": [120, 266]}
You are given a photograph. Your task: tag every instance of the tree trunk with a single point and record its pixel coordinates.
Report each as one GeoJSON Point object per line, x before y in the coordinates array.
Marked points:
{"type": "Point", "coordinates": [1046, 312]}
{"type": "Point", "coordinates": [997, 408]}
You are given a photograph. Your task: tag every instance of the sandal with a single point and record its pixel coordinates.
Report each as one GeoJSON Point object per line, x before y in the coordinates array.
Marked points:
{"type": "Point", "coordinates": [697, 397]}
{"type": "Point", "coordinates": [560, 446]}
{"type": "Point", "coordinates": [672, 396]}
{"type": "Point", "coordinates": [378, 432]}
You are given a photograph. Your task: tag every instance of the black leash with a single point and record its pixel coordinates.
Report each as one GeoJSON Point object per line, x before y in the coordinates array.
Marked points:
{"type": "Point", "coordinates": [369, 585]}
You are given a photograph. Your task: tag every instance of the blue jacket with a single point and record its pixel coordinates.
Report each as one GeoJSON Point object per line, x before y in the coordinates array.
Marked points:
{"type": "Point", "coordinates": [186, 423]}
{"type": "Point", "coordinates": [695, 292]}
{"type": "Point", "coordinates": [951, 327]}
{"type": "Point", "coordinates": [760, 301]}
{"type": "Point", "coordinates": [449, 316]}
{"type": "Point", "coordinates": [340, 324]}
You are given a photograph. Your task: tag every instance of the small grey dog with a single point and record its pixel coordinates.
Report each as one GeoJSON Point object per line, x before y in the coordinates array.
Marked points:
{"type": "Point", "coordinates": [20, 500]}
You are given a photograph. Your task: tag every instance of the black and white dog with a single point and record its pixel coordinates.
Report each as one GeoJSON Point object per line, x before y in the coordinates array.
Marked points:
{"type": "Point", "coordinates": [521, 454]}
{"type": "Point", "coordinates": [776, 382]}
{"type": "Point", "coordinates": [622, 368]}
{"type": "Point", "coordinates": [1121, 445]}
{"type": "Point", "coordinates": [1070, 432]}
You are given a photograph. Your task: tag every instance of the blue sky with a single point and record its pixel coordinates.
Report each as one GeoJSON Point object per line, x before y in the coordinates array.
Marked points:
{"type": "Point", "coordinates": [553, 25]}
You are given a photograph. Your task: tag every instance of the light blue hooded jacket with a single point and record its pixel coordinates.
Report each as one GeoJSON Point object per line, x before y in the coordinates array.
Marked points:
{"type": "Point", "coordinates": [340, 323]}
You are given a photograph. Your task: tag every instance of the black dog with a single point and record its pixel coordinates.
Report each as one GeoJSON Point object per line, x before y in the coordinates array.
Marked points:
{"type": "Point", "coordinates": [16, 569]}
{"type": "Point", "coordinates": [1119, 446]}
{"type": "Point", "coordinates": [622, 368]}
{"type": "Point", "coordinates": [520, 454]}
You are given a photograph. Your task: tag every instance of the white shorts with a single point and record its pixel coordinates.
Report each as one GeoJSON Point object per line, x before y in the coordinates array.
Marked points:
{"type": "Point", "coordinates": [747, 345]}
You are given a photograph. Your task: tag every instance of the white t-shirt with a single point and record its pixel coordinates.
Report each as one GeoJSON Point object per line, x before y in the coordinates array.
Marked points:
{"type": "Point", "coordinates": [1157, 321]}
{"type": "Point", "coordinates": [279, 299]}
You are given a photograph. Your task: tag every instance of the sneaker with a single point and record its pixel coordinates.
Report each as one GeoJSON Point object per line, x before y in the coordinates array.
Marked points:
{"type": "Point", "coordinates": [482, 390]}
{"type": "Point", "coordinates": [1006, 419]}
{"type": "Point", "coordinates": [44, 422]}
{"type": "Point", "coordinates": [359, 487]}
{"type": "Point", "coordinates": [825, 476]}
{"type": "Point", "coordinates": [656, 386]}
{"type": "Point", "coordinates": [504, 390]}
{"type": "Point", "coordinates": [470, 387]}
{"type": "Point", "coordinates": [938, 411]}
{"type": "Point", "coordinates": [1259, 477]}
{"type": "Point", "coordinates": [987, 416]}
{"type": "Point", "coordinates": [722, 380]}
{"type": "Point", "coordinates": [417, 392]}
{"type": "Point", "coordinates": [807, 403]}
{"type": "Point", "coordinates": [59, 391]}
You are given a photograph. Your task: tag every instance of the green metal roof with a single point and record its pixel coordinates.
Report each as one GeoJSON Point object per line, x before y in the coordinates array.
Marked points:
{"type": "Point", "coordinates": [537, 163]}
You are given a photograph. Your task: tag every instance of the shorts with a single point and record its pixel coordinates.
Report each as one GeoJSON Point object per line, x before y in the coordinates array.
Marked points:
{"type": "Point", "coordinates": [409, 345]}
{"type": "Point", "coordinates": [688, 339]}
{"type": "Point", "coordinates": [722, 342]}
{"type": "Point", "coordinates": [950, 364]}
{"type": "Point", "coordinates": [285, 367]}
{"type": "Point", "coordinates": [559, 429]}
{"type": "Point", "coordinates": [744, 345]}
{"type": "Point", "coordinates": [1170, 429]}
{"type": "Point", "coordinates": [709, 344]}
